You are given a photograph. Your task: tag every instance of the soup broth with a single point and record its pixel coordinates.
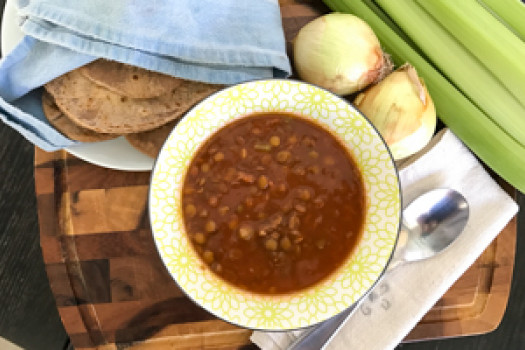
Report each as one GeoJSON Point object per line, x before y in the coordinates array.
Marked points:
{"type": "Point", "coordinates": [273, 203]}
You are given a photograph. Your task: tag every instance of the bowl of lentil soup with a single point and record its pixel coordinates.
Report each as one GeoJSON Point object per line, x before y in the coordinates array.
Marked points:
{"type": "Point", "coordinates": [274, 204]}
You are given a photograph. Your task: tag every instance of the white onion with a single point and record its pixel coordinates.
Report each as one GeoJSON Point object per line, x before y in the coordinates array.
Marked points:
{"type": "Point", "coordinates": [340, 53]}
{"type": "Point", "coordinates": [401, 109]}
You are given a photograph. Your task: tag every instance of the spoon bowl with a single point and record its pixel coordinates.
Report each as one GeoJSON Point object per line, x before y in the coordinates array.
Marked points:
{"type": "Point", "coordinates": [430, 224]}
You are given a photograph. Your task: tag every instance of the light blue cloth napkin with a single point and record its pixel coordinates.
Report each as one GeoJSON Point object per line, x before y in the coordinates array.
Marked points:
{"type": "Point", "coordinates": [224, 42]}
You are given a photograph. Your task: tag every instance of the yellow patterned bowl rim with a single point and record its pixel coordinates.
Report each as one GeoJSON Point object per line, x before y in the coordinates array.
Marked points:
{"type": "Point", "coordinates": [356, 275]}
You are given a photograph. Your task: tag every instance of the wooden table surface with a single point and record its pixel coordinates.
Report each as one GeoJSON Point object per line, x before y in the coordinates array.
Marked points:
{"type": "Point", "coordinates": [28, 314]}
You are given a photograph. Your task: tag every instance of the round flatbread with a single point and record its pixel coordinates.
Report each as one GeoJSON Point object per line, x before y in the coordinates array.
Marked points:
{"type": "Point", "coordinates": [99, 109]}
{"type": "Point", "coordinates": [129, 80]}
{"type": "Point", "coordinates": [66, 126]}
{"type": "Point", "coordinates": [150, 142]}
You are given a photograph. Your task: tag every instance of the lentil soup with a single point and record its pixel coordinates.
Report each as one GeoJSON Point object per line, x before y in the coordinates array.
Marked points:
{"type": "Point", "coordinates": [273, 203]}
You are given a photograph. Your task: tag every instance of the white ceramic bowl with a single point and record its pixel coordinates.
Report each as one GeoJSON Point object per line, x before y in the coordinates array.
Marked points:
{"type": "Point", "coordinates": [324, 300]}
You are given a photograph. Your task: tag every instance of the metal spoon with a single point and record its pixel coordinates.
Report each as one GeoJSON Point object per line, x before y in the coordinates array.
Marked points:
{"type": "Point", "coordinates": [430, 224]}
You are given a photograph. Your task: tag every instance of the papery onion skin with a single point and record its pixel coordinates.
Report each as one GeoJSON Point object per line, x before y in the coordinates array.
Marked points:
{"type": "Point", "coordinates": [339, 52]}
{"type": "Point", "coordinates": [402, 110]}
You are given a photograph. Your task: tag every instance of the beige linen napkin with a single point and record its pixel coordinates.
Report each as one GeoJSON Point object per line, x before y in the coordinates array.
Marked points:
{"type": "Point", "coordinates": [406, 294]}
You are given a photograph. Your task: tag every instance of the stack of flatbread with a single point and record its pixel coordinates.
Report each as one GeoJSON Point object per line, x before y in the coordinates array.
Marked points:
{"type": "Point", "coordinates": [107, 99]}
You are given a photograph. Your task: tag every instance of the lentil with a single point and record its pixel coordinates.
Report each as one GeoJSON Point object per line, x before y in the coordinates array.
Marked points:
{"type": "Point", "coordinates": [275, 141]}
{"type": "Point", "coordinates": [200, 238]}
{"type": "Point", "coordinates": [283, 156]}
{"type": "Point", "coordinates": [191, 211]}
{"type": "Point", "coordinates": [271, 244]}
{"type": "Point", "coordinates": [210, 226]}
{"type": "Point", "coordinates": [219, 156]}
{"type": "Point", "coordinates": [262, 182]}
{"type": "Point", "coordinates": [246, 232]}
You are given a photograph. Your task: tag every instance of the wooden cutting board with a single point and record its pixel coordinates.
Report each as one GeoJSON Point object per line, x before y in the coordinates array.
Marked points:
{"type": "Point", "coordinates": [112, 289]}
{"type": "Point", "coordinates": [113, 292]}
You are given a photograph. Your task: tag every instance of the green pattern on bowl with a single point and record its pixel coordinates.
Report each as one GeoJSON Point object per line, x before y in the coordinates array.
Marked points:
{"type": "Point", "coordinates": [317, 303]}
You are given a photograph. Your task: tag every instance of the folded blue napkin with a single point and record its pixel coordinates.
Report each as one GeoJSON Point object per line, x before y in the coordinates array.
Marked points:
{"type": "Point", "coordinates": [222, 42]}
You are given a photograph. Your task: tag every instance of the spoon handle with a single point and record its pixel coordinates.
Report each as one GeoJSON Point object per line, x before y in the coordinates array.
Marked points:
{"type": "Point", "coordinates": [319, 336]}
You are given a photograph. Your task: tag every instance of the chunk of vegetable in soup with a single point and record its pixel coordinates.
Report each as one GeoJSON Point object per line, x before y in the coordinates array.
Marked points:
{"type": "Point", "coordinates": [273, 203]}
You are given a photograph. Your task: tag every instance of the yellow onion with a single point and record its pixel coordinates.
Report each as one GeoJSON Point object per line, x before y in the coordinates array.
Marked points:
{"type": "Point", "coordinates": [401, 109]}
{"type": "Point", "coordinates": [340, 53]}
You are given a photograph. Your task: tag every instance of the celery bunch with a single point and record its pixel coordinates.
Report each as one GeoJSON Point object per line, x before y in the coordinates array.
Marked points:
{"type": "Point", "coordinates": [470, 99]}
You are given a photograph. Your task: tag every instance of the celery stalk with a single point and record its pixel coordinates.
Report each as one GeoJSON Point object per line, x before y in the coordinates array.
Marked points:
{"type": "Point", "coordinates": [459, 66]}
{"type": "Point", "coordinates": [497, 48]}
{"type": "Point", "coordinates": [509, 12]}
{"type": "Point", "coordinates": [490, 143]}
{"type": "Point", "coordinates": [384, 17]}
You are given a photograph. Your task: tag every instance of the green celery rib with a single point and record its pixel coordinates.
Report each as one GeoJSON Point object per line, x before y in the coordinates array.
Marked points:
{"type": "Point", "coordinates": [384, 17]}
{"type": "Point", "coordinates": [509, 12]}
{"type": "Point", "coordinates": [493, 44]}
{"type": "Point", "coordinates": [459, 66]}
{"type": "Point", "coordinates": [491, 144]}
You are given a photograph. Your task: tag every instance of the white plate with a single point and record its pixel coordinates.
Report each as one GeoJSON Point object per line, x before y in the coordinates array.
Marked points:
{"type": "Point", "coordinates": [115, 154]}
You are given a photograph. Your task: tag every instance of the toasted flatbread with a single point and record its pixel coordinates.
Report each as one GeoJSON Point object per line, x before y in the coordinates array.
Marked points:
{"type": "Point", "coordinates": [150, 142]}
{"type": "Point", "coordinates": [66, 126]}
{"type": "Point", "coordinates": [99, 109]}
{"type": "Point", "coordinates": [129, 80]}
